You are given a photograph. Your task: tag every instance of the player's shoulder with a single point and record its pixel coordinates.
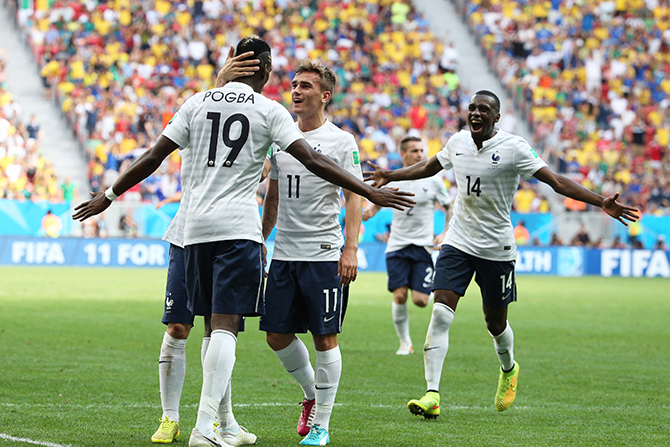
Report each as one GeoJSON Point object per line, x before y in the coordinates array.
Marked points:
{"type": "Point", "coordinates": [510, 140]}
{"type": "Point", "coordinates": [336, 132]}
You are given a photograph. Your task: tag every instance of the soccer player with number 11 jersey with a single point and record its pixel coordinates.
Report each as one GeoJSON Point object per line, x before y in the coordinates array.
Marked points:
{"type": "Point", "coordinates": [228, 131]}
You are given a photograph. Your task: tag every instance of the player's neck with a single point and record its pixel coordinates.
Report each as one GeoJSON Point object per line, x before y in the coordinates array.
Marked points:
{"type": "Point", "coordinates": [311, 122]}
{"type": "Point", "coordinates": [480, 143]}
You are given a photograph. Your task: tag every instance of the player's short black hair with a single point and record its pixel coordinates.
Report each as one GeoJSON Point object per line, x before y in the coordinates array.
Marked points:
{"type": "Point", "coordinates": [407, 139]}
{"type": "Point", "coordinates": [253, 43]}
{"type": "Point", "coordinates": [490, 94]}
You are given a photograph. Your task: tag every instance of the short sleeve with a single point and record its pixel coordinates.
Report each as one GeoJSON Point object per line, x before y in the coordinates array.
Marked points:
{"type": "Point", "coordinates": [282, 128]}
{"type": "Point", "coordinates": [526, 160]}
{"type": "Point", "coordinates": [444, 157]}
{"type": "Point", "coordinates": [178, 129]}
{"type": "Point", "coordinates": [351, 162]}
{"type": "Point", "coordinates": [441, 195]}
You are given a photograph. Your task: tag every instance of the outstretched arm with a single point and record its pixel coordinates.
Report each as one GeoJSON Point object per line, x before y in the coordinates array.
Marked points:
{"type": "Point", "coordinates": [381, 176]}
{"type": "Point", "coordinates": [138, 171]}
{"type": "Point", "coordinates": [327, 169]}
{"type": "Point", "coordinates": [347, 267]}
{"type": "Point", "coordinates": [574, 190]}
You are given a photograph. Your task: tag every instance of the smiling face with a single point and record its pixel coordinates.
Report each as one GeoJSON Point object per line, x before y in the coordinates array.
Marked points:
{"type": "Point", "coordinates": [307, 94]}
{"type": "Point", "coordinates": [483, 114]}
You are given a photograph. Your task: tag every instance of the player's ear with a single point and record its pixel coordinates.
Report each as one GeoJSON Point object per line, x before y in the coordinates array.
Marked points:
{"type": "Point", "coordinates": [325, 97]}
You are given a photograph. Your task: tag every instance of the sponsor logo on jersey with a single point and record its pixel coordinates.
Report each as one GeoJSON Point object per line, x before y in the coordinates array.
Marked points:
{"type": "Point", "coordinates": [357, 159]}
{"type": "Point", "coordinates": [532, 151]}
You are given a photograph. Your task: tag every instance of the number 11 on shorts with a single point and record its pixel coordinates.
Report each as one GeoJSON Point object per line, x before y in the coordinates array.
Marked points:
{"type": "Point", "coordinates": [327, 293]}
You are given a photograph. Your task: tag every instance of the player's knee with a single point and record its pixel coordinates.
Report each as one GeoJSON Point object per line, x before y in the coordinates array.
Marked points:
{"type": "Point", "coordinates": [325, 342]}
{"type": "Point", "coordinates": [420, 299]}
{"type": "Point", "coordinates": [178, 330]}
{"type": "Point", "coordinates": [495, 327]}
{"type": "Point", "coordinates": [400, 295]}
{"type": "Point", "coordinates": [278, 341]}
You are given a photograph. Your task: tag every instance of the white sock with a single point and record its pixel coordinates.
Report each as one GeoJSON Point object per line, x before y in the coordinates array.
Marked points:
{"type": "Point", "coordinates": [401, 322]}
{"type": "Point", "coordinates": [295, 359]}
{"type": "Point", "coordinates": [171, 373]}
{"type": "Point", "coordinates": [203, 349]}
{"type": "Point", "coordinates": [437, 344]}
{"type": "Point", "coordinates": [216, 372]}
{"type": "Point", "coordinates": [327, 377]}
{"type": "Point", "coordinates": [226, 416]}
{"type": "Point", "coordinates": [504, 346]}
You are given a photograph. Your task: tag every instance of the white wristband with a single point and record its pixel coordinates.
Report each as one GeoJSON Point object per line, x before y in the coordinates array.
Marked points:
{"type": "Point", "coordinates": [110, 194]}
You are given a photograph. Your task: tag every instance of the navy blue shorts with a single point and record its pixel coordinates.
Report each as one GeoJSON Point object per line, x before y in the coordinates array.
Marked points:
{"type": "Point", "coordinates": [225, 277]}
{"type": "Point", "coordinates": [303, 296]}
{"type": "Point", "coordinates": [176, 298]}
{"type": "Point", "coordinates": [496, 279]}
{"type": "Point", "coordinates": [411, 266]}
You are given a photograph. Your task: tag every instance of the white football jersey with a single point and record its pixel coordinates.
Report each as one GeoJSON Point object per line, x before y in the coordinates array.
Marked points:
{"type": "Point", "coordinates": [487, 180]}
{"type": "Point", "coordinates": [308, 228]}
{"type": "Point", "coordinates": [414, 226]}
{"type": "Point", "coordinates": [228, 131]}
{"type": "Point", "coordinates": [175, 231]}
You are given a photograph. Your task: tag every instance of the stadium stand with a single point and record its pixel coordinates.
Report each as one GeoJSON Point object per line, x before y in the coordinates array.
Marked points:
{"type": "Point", "coordinates": [593, 79]}
{"type": "Point", "coordinates": [25, 174]}
{"type": "Point", "coordinates": [121, 69]}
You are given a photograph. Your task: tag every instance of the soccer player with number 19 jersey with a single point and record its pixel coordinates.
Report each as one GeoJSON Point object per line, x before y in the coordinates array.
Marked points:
{"type": "Point", "coordinates": [228, 131]}
{"type": "Point", "coordinates": [487, 163]}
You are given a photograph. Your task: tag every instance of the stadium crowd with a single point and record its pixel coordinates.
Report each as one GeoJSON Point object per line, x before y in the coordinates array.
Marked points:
{"type": "Point", "coordinates": [121, 69]}
{"type": "Point", "coordinates": [594, 81]}
{"type": "Point", "coordinates": [25, 174]}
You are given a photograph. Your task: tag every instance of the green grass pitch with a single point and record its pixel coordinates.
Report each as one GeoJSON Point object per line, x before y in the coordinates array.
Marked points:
{"type": "Point", "coordinates": [79, 353]}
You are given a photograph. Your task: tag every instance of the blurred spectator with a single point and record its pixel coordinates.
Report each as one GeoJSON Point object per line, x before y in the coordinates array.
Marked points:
{"type": "Point", "coordinates": [617, 243]}
{"type": "Point", "coordinates": [51, 225]}
{"type": "Point", "coordinates": [127, 225]}
{"type": "Point", "coordinates": [69, 190]}
{"type": "Point", "coordinates": [555, 240]}
{"type": "Point", "coordinates": [660, 243]}
{"type": "Point", "coordinates": [521, 233]}
{"type": "Point", "coordinates": [582, 237]}
{"type": "Point", "coordinates": [524, 197]}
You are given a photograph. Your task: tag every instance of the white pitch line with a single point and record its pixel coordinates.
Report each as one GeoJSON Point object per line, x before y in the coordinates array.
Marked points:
{"type": "Point", "coordinates": [31, 441]}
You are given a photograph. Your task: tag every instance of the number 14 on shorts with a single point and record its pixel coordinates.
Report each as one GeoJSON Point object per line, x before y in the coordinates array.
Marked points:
{"type": "Point", "coordinates": [507, 282]}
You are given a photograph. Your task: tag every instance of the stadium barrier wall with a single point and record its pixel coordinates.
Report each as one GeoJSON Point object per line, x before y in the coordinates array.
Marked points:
{"type": "Point", "coordinates": [23, 218]}
{"type": "Point", "coordinates": [557, 261]}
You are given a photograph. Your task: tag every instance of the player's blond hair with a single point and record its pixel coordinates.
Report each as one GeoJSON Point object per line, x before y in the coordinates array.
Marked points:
{"type": "Point", "coordinates": [327, 78]}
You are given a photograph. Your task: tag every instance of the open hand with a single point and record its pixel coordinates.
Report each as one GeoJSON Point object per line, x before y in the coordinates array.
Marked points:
{"type": "Point", "coordinates": [619, 211]}
{"type": "Point", "coordinates": [392, 198]}
{"type": "Point", "coordinates": [90, 208]}
{"type": "Point", "coordinates": [378, 176]}
{"type": "Point", "coordinates": [237, 67]}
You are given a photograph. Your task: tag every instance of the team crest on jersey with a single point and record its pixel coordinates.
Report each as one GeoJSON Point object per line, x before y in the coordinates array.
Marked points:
{"type": "Point", "coordinates": [495, 159]}
{"type": "Point", "coordinates": [317, 148]}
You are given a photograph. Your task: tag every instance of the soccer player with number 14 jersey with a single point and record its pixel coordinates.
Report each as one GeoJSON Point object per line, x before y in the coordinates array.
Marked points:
{"type": "Point", "coordinates": [487, 163]}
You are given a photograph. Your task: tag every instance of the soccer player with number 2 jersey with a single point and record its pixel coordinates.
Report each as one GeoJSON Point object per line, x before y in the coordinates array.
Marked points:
{"type": "Point", "coordinates": [487, 163]}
